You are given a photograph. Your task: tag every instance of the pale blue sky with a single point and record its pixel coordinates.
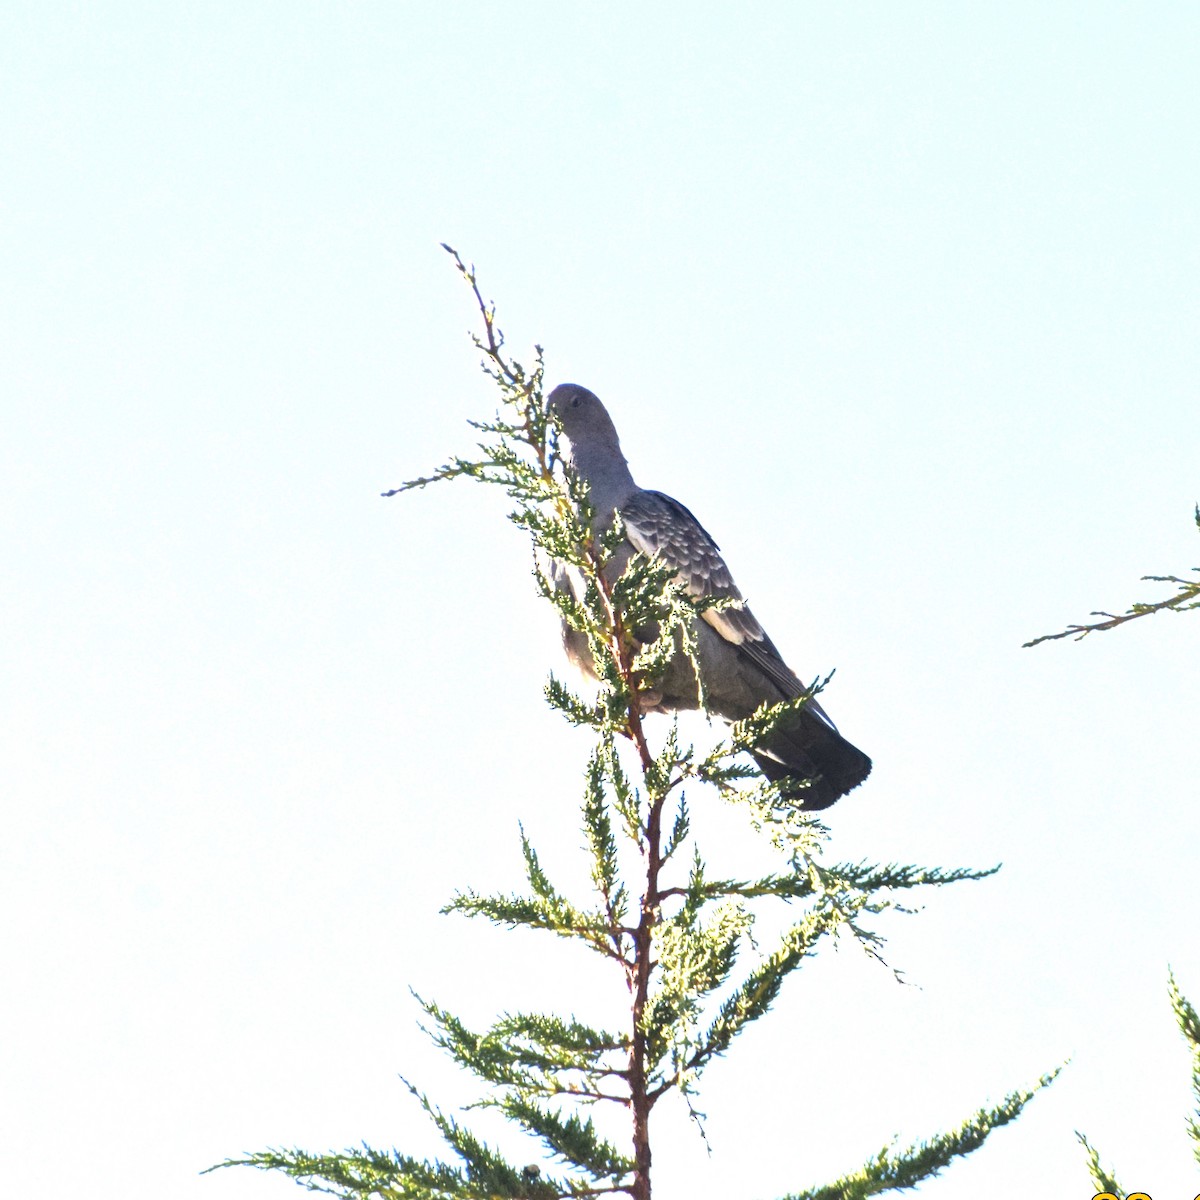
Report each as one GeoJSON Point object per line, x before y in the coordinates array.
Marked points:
{"type": "Point", "coordinates": [900, 300]}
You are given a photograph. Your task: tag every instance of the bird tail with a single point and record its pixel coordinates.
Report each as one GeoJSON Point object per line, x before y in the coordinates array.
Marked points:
{"type": "Point", "coordinates": [815, 764]}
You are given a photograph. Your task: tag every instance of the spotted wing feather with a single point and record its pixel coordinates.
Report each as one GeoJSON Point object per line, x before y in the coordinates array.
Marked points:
{"type": "Point", "coordinates": [656, 524]}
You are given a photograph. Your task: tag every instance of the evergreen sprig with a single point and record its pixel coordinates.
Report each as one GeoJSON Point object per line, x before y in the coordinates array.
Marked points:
{"type": "Point", "coordinates": [892, 1170]}
{"type": "Point", "coordinates": [534, 1053]}
{"type": "Point", "coordinates": [1189, 1025]}
{"type": "Point", "coordinates": [362, 1171]}
{"type": "Point", "coordinates": [754, 997]}
{"type": "Point", "coordinates": [574, 1141]}
{"type": "Point", "coordinates": [554, 913]}
{"type": "Point", "coordinates": [1188, 1021]}
{"type": "Point", "coordinates": [1103, 1180]}
{"type": "Point", "coordinates": [677, 936]}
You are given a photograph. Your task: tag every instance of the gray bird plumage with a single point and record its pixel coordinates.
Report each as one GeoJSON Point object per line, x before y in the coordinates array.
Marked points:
{"type": "Point", "coordinates": [740, 666]}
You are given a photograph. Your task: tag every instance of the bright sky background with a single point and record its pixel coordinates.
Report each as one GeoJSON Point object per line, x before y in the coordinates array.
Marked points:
{"type": "Point", "coordinates": [900, 300]}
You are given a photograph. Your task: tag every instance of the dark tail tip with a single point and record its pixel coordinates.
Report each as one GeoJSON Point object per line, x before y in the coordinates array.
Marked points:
{"type": "Point", "coordinates": [821, 775]}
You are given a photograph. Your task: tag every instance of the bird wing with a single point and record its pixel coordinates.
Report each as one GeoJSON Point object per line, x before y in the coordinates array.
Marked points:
{"type": "Point", "coordinates": [655, 524]}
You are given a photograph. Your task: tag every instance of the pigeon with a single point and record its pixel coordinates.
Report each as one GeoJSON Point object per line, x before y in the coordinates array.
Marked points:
{"type": "Point", "coordinates": [740, 666]}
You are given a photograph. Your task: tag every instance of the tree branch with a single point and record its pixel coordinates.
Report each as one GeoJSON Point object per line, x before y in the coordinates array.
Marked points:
{"type": "Point", "coordinates": [1187, 597]}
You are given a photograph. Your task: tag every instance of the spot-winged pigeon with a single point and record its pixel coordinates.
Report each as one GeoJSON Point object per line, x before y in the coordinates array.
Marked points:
{"type": "Point", "coordinates": [739, 663]}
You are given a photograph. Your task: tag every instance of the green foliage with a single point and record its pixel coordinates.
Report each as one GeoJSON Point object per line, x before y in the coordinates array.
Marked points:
{"type": "Point", "coordinates": [570, 1139]}
{"type": "Point", "coordinates": [677, 936]}
{"type": "Point", "coordinates": [1189, 1025]}
{"type": "Point", "coordinates": [890, 1171]}
{"type": "Point", "coordinates": [1103, 1180]}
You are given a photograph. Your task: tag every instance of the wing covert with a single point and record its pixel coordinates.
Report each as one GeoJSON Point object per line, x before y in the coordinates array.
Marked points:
{"type": "Point", "coordinates": [657, 525]}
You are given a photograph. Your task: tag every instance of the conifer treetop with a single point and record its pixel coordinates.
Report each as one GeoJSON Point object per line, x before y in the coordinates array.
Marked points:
{"type": "Point", "coordinates": [676, 932]}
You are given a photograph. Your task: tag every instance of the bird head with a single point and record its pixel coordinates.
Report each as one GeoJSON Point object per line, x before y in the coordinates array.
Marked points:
{"type": "Point", "coordinates": [583, 420]}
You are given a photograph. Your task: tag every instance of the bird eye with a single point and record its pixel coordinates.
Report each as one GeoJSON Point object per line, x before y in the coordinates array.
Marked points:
{"type": "Point", "coordinates": [575, 401]}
